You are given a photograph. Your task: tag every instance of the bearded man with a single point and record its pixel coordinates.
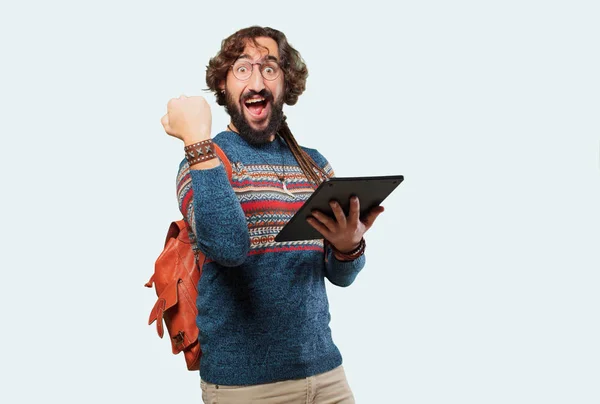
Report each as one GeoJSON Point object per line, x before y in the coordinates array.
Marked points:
{"type": "Point", "coordinates": [263, 312]}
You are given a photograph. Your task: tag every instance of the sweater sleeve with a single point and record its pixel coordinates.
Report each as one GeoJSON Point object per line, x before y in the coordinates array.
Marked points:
{"type": "Point", "coordinates": [339, 273]}
{"type": "Point", "coordinates": [342, 273]}
{"type": "Point", "coordinates": [213, 213]}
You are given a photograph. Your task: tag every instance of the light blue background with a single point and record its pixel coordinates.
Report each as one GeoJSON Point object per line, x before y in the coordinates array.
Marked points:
{"type": "Point", "coordinates": [482, 277]}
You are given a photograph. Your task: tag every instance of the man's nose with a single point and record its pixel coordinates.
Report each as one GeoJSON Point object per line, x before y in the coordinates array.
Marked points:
{"type": "Point", "coordinates": [256, 81]}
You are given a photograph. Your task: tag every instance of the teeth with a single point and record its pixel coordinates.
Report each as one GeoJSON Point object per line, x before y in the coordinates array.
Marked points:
{"type": "Point", "coordinates": [255, 100]}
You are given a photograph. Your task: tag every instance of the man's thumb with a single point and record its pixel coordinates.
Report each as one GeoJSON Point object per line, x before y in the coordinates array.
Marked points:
{"type": "Point", "coordinates": [165, 123]}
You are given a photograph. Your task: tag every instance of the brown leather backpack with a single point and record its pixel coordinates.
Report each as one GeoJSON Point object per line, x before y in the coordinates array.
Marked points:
{"type": "Point", "coordinates": [176, 274]}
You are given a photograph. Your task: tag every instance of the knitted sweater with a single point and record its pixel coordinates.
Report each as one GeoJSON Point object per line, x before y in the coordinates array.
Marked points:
{"type": "Point", "coordinates": [263, 312]}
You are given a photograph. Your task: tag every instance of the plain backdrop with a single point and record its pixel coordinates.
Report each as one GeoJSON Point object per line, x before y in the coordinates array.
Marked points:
{"type": "Point", "coordinates": [481, 283]}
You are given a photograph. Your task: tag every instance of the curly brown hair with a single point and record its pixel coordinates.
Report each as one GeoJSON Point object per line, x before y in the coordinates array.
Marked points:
{"type": "Point", "coordinates": [295, 74]}
{"type": "Point", "coordinates": [293, 66]}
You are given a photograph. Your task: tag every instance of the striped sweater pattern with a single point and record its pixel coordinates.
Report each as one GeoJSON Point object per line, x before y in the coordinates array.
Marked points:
{"type": "Point", "coordinates": [264, 201]}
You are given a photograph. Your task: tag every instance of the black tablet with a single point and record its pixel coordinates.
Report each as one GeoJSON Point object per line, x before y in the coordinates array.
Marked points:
{"type": "Point", "coordinates": [371, 191]}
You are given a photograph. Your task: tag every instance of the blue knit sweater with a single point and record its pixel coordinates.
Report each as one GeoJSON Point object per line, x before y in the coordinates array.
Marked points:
{"type": "Point", "coordinates": [263, 313]}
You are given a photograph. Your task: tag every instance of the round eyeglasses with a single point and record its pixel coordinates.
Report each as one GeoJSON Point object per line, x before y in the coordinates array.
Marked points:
{"type": "Point", "coordinates": [242, 69]}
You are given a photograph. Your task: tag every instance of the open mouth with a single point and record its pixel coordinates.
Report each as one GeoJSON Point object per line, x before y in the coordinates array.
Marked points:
{"type": "Point", "coordinates": [257, 106]}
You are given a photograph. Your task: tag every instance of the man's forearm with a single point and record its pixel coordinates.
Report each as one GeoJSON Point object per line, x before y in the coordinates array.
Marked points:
{"type": "Point", "coordinates": [220, 222]}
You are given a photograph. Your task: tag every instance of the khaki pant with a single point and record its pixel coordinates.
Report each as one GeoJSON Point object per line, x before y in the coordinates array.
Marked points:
{"type": "Point", "coordinates": [326, 388]}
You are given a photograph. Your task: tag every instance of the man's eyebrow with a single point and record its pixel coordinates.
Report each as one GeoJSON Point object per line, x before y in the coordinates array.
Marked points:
{"type": "Point", "coordinates": [268, 57]}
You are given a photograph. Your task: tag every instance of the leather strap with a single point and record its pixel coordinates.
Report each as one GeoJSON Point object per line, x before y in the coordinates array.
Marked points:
{"type": "Point", "coordinates": [224, 160]}
{"type": "Point", "coordinates": [200, 151]}
{"type": "Point", "coordinates": [167, 299]}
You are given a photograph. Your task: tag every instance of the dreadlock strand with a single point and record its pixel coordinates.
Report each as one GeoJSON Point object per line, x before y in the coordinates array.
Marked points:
{"type": "Point", "coordinates": [311, 170]}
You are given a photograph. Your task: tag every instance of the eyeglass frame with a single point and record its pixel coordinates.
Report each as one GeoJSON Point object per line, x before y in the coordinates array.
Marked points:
{"type": "Point", "coordinates": [265, 60]}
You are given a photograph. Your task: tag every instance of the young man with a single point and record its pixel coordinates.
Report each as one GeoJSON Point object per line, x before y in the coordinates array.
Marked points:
{"type": "Point", "coordinates": [263, 312]}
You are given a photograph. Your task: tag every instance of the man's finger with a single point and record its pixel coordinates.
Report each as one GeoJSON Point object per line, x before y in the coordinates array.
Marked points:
{"type": "Point", "coordinates": [339, 214]}
{"type": "Point", "coordinates": [327, 221]}
{"type": "Point", "coordinates": [173, 102]}
{"type": "Point", "coordinates": [371, 216]}
{"type": "Point", "coordinates": [354, 213]}
{"type": "Point", "coordinates": [320, 227]}
{"type": "Point", "coordinates": [165, 122]}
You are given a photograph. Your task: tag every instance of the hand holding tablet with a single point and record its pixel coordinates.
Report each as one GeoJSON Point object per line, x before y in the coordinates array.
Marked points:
{"type": "Point", "coordinates": [370, 191]}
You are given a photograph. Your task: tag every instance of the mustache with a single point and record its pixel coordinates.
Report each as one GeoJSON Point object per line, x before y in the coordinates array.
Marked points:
{"type": "Point", "coordinates": [264, 93]}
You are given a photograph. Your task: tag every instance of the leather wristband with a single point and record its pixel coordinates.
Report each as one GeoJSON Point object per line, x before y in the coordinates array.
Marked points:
{"type": "Point", "coordinates": [199, 152]}
{"type": "Point", "coordinates": [352, 255]}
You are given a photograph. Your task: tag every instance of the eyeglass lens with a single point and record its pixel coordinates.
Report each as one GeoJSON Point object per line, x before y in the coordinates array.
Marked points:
{"type": "Point", "coordinates": [243, 69]}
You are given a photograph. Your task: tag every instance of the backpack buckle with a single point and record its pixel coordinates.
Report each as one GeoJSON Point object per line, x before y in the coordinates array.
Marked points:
{"type": "Point", "coordinates": [178, 338]}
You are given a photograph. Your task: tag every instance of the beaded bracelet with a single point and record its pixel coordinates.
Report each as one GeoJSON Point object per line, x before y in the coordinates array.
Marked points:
{"type": "Point", "coordinates": [352, 255]}
{"type": "Point", "coordinates": [199, 152]}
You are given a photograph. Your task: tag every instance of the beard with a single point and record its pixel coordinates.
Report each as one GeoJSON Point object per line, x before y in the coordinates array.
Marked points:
{"type": "Point", "coordinates": [249, 134]}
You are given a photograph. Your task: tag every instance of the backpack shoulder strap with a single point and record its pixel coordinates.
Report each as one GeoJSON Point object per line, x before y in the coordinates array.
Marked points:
{"type": "Point", "coordinates": [224, 160]}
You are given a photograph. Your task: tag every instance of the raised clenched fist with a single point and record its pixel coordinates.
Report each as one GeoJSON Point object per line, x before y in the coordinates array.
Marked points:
{"type": "Point", "coordinates": [188, 119]}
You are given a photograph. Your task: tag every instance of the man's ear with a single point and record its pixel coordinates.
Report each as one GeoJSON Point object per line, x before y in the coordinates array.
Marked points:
{"type": "Point", "coordinates": [221, 86]}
